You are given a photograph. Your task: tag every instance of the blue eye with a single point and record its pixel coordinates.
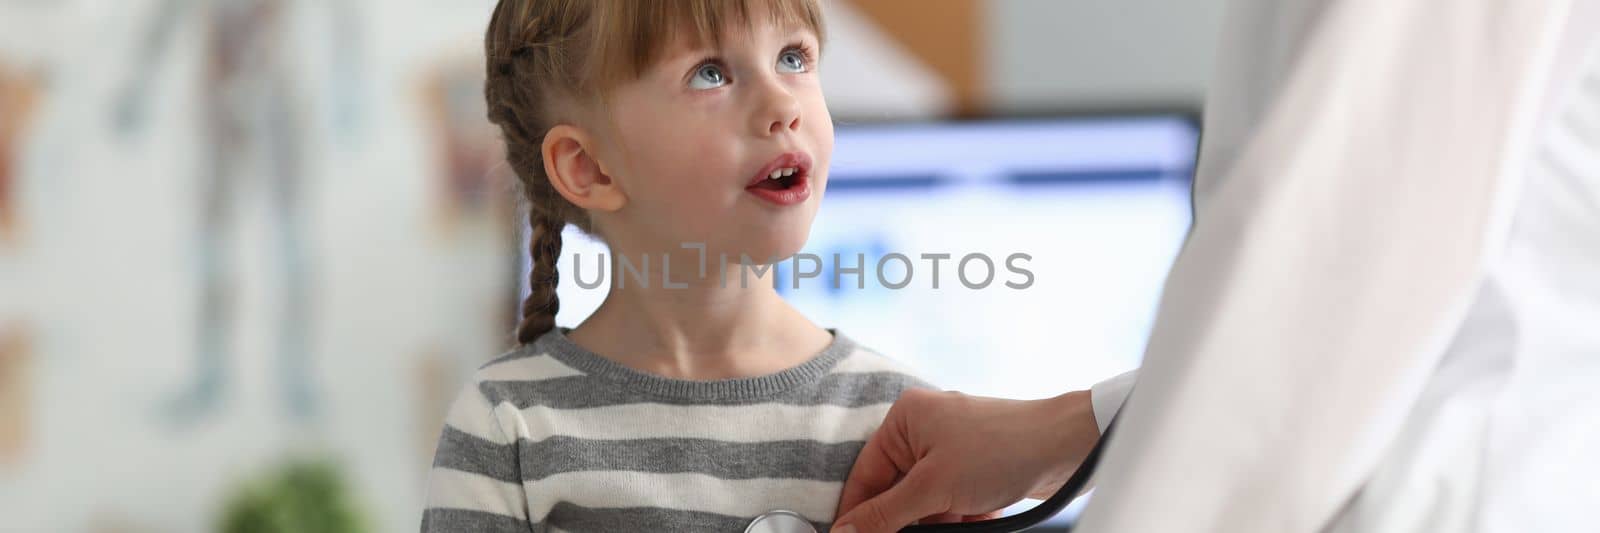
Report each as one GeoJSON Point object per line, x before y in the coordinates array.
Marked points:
{"type": "Point", "coordinates": [792, 61]}
{"type": "Point", "coordinates": [708, 77]}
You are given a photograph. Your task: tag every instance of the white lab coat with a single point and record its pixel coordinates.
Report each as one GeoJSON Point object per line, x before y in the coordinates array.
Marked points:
{"type": "Point", "coordinates": [1387, 316]}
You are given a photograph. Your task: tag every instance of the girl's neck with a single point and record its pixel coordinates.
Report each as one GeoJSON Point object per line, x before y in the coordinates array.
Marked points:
{"type": "Point", "coordinates": [705, 331]}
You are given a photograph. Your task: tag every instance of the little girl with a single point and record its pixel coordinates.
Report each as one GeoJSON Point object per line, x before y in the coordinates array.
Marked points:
{"type": "Point", "coordinates": [688, 135]}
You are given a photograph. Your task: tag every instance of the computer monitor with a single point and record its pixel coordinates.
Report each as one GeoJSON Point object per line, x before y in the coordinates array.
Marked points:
{"type": "Point", "coordinates": [1093, 208]}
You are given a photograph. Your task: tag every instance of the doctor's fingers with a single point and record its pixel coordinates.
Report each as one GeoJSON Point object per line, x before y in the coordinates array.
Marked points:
{"type": "Point", "coordinates": [913, 498]}
{"type": "Point", "coordinates": [882, 462]}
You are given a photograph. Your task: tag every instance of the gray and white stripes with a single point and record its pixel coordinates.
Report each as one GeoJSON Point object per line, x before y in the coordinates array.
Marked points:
{"type": "Point", "coordinates": [555, 438]}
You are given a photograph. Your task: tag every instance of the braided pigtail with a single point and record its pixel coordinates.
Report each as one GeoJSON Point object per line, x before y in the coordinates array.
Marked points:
{"type": "Point", "coordinates": [540, 308]}
{"type": "Point", "coordinates": [533, 52]}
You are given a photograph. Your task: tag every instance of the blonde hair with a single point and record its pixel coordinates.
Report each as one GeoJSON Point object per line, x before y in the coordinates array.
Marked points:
{"type": "Point", "coordinates": [546, 53]}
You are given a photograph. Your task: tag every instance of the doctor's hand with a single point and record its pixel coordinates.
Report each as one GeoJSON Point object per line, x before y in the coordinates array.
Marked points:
{"type": "Point", "coordinates": [947, 456]}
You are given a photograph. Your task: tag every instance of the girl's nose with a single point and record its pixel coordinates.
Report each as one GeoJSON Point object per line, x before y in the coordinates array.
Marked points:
{"type": "Point", "coordinates": [779, 110]}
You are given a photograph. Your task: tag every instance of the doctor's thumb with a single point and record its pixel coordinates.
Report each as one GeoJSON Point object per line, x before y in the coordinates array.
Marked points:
{"type": "Point", "coordinates": [900, 506]}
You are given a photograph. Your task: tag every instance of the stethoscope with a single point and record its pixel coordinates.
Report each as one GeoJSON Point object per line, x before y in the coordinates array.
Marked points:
{"type": "Point", "coordinates": [791, 522]}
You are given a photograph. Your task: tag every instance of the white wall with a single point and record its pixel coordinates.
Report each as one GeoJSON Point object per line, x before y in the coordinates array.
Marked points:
{"type": "Point", "coordinates": [106, 280]}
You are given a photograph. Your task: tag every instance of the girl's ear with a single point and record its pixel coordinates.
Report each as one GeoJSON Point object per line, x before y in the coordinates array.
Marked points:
{"type": "Point", "coordinates": [576, 173]}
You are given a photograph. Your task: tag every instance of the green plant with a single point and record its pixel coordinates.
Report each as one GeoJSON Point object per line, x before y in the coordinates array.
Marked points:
{"type": "Point", "coordinates": [298, 497]}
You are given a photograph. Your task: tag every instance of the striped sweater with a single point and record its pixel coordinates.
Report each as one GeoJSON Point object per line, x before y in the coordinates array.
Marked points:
{"type": "Point", "coordinates": [552, 437]}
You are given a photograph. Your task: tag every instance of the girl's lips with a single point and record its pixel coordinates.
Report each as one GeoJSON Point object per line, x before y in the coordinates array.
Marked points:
{"type": "Point", "coordinates": [795, 193]}
{"type": "Point", "coordinates": [797, 186]}
{"type": "Point", "coordinates": [800, 161]}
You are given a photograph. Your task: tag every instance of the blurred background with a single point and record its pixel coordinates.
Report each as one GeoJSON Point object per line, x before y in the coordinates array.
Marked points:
{"type": "Point", "coordinates": [250, 248]}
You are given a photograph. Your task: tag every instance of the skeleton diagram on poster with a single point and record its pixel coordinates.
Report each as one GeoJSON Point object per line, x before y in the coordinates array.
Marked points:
{"type": "Point", "coordinates": [250, 111]}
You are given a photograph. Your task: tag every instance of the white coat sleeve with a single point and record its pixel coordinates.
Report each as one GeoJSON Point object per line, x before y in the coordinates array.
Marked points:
{"type": "Point", "coordinates": [1107, 397]}
{"type": "Point", "coordinates": [1350, 188]}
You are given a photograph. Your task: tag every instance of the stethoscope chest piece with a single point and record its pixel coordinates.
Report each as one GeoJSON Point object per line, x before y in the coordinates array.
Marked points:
{"type": "Point", "coordinates": [780, 522]}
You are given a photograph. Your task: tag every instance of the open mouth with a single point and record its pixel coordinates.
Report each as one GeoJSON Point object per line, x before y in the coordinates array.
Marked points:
{"type": "Point", "coordinates": [781, 179]}
{"type": "Point", "coordinates": [784, 181]}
